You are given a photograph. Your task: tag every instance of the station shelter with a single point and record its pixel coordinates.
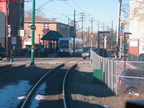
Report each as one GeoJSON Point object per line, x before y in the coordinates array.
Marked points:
{"type": "Point", "coordinates": [50, 41]}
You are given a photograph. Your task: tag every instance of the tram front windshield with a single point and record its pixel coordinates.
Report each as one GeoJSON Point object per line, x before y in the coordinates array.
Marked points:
{"type": "Point", "coordinates": [64, 44]}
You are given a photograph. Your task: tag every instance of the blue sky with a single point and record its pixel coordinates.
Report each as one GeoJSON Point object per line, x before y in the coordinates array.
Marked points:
{"type": "Point", "coordinates": [104, 11]}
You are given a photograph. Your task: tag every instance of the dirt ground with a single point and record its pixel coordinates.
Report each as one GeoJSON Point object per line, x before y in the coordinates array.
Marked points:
{"type": "Point", "coordinates": [87, 94]}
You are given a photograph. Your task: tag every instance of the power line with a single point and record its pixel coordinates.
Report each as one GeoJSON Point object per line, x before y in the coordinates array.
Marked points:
{"type": "Point", "coordinates": [78, 6]}
{"type": "Point", "coordinates": [61, 13]}
{"type": "Point", "coordinates": [69, 5]}
{"type": "Point", "coordinates": [81, 9]}
{"type": "Point", "coordinates": [44, 4]}
{"type": "Point", "coordinates": [47, 9]}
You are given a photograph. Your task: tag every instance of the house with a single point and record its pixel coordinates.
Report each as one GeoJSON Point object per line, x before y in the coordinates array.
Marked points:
{"type": "Point", "coordinates": [43, 26]}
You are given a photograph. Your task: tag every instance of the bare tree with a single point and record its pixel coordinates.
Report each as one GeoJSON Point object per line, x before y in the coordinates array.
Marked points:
{"type": "Point", "coordinates": [28, 13]}
{"type": "Point", "coordinates": [38, 12]}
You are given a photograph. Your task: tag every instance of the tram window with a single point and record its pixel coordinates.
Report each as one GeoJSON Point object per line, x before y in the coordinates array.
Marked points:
{"type": "Point", "coordinates": [64, 44]}
{"type": "Point", "coordinates": [78, 45]}
{"type": "Point", "coordinates": [71, 45]}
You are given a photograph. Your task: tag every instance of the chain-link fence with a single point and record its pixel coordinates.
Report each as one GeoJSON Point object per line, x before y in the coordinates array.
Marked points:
{"type": "Point", "coordinates": [116, 73]}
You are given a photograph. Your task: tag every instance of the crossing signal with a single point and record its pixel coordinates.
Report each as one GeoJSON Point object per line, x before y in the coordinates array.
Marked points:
{"type": "Point", "coordinates": [122, 25]}
{"type": "Point", "coordinates": [123, 37]}
{"type": "Point", "coordinates": [92, 36]}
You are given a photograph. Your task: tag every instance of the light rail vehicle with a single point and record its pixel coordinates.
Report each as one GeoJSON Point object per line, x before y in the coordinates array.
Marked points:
{"type": "Point", "coordinates": [67, 46]}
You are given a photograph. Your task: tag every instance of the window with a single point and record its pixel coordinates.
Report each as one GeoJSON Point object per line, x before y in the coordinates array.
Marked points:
{"type": "Point", "coordinates": [46, 26]}
{"type": "Point", "coordinates": [29, 25]}
{"type": "Point", "coordinates": [64, 44]}
{"type": "Point", "coordinates": [29, 35]}
{"type": "Point", "coordinates": [63, 27]}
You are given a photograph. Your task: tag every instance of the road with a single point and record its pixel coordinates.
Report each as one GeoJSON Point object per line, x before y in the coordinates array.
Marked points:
{"type": "Point", "coordinates": [27, 61]}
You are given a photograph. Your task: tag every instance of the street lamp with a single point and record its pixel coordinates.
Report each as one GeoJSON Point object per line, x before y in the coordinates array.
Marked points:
{"type": "Point", "coordinates": [125, 33]}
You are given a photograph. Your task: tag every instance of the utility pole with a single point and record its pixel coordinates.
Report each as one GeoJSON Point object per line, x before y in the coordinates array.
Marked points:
{"type": "Point", "coordinates": [118, 29]}
{"type": "Point", "coordinates": [82, 19]}
{"type": "Point", "coordinates": [33, 34]}
{"type": "Point", "coordinates": [98, 25]}
{"type": "Point", "coordinates": [92, 36]}
{"type": "Point", "coordinates": [103, 37]}
{"type": "Point", "coordinates": [112, 33]}
{"type": "Point", "coordinates": [92, 20]}
{"type": "Point", "coordinates": [97, 38]}
{"type": "Point", "coordinates": [74, 35]}
{"type": "Point", "coordinates": [88, 36]}
{"type": "Point", "coordinates": [68, 28]}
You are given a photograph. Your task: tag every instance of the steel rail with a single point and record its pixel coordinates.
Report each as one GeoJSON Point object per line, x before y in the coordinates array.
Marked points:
{"type": "Point", "coordinates": [63, 86]}
{"type": "Point", "coordinates": [25, 103]}
{"type": "Point", "coordinates": [33, 89]}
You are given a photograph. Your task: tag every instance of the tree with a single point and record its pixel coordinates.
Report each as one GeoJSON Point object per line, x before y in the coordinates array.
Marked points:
{"type": "Point", "coordinates": [38, 12]}
{"type": "Point", "coordinates": [28, 13]}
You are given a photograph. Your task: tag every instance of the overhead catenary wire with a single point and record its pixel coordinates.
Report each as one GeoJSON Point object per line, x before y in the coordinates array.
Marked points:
{"type": "Point", "coordinates": [78, 6]}
{"type": "Point", "coordinates": [44, 4]}
{"type": "Point", "coordinates": [88, 23]}
{"type": "Point", "coordinates": [87, 19]}
{"type": "Point", "coordinates": [46, 9]}
{"type": "Point", "coordinates": [57, 12]}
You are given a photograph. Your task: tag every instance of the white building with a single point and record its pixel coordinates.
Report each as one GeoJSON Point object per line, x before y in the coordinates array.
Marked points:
{"type": "Point", "coordinates": [136, 27]}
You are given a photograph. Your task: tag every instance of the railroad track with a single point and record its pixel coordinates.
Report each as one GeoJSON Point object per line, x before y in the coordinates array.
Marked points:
{"type": "Point", "coordinates": [51, 89]}
{"type": "Point", "coordinates": [8, 67]}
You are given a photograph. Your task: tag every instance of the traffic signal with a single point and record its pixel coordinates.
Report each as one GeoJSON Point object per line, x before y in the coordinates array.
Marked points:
{"type": "Point", "coordinates": [92, 36]}
{"type": "Point", "coordinates": [122, 25]}
{"type": "Point", "coordinates": [123, 37]}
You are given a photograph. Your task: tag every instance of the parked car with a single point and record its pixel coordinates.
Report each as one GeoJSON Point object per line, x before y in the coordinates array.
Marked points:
{"type": "Point", "coordinates": [2, 53]}
{"type": "Point", "coordinates": [102, 52]}
{"type": "Point", "coordinates": [86, 54]}
{"type": "Point", "coordinates": [131, 82]}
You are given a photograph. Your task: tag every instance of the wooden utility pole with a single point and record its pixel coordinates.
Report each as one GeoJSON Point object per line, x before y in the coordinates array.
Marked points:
{"type": "Point", "coordinates": [92, 20]}
{"type": "Point", "coordinates": [118, 29]}
{"type": "Point", "coordinates": [82, 19]}
{"type": "Point", "coordinates": [92, 36]}
{"type": "Point", "coordinates": [74, 34]}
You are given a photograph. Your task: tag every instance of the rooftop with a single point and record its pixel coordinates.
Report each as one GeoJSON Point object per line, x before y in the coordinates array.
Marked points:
{"type": "Point", "coordinates": [38, 19]}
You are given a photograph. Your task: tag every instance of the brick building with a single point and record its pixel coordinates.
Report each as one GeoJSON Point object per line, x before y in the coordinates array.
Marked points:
{"type": "Point", "coordinates": [43, 25]}
{"type": "Point", "coordinates": [14, 17]}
